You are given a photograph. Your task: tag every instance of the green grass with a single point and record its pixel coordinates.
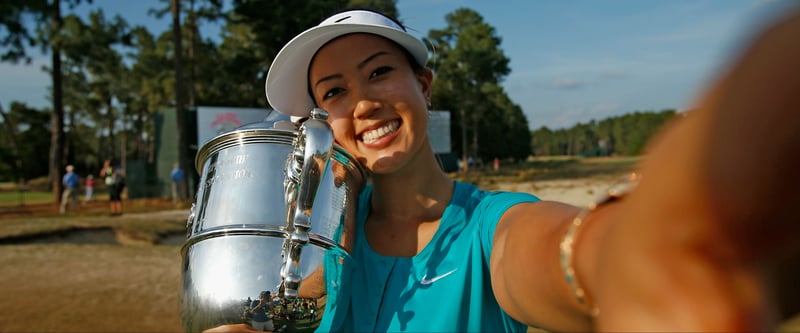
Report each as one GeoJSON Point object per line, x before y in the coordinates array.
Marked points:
{"type": "Point", "coordinates": [548, 168]}
{"type": "Point", "coordinates": [560, 168]}
{"type": "Point", "coordinates": [16, 198]}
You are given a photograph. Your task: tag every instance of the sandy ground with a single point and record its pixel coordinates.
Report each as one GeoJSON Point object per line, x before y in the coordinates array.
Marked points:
{"type": "Point", "coordinates": [89, 288]}
{"type": "Point", "coordinates": [579, 192]}
{"type": "Point", "coordinates": [133, 287]}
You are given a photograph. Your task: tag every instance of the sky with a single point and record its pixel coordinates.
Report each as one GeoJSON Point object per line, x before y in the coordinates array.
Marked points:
{"type": "Point", "coordinates": [570, 61]}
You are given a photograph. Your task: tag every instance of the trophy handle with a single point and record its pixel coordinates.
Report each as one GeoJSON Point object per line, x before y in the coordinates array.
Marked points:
{"type": "Point", "coordinates": [312, 151]}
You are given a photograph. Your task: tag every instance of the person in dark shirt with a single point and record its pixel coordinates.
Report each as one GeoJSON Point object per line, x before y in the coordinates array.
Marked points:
{"type": "Point", "coordinates": [262, 312]}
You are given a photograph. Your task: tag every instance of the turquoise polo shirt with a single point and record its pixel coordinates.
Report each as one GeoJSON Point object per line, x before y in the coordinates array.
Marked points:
{"type": "Point", "coordinates": [444, 288]}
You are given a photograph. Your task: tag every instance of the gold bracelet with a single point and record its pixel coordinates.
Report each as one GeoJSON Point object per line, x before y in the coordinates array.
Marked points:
{"type": "Point", "coordinates": [622, 187]}
{"type": "Point", "coordinates": [567, 246]}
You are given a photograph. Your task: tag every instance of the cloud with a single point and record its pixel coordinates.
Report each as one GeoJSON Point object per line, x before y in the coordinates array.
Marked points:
{"type": "Point", "coordinates": [568, 116]}
{"type": "Point", "coordinates": [576, 84]}
{"type": "Point", "coordinates": [568, 84]}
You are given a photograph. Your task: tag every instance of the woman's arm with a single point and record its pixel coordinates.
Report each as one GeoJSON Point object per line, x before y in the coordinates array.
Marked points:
{"type": "Point", "coordinates": [525, 268]}
{"type": "Point", "coordinates": [715, 212]}
{"type": "Point", "coordinates": [694, 247]}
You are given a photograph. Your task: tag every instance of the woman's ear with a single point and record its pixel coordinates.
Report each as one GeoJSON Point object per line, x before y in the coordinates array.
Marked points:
{"type": "Point", "coordinates": [425, 78]}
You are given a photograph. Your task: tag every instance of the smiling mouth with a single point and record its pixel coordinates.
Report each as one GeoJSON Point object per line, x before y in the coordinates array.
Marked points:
{"type": "Point", "coordinates": [375, 134]}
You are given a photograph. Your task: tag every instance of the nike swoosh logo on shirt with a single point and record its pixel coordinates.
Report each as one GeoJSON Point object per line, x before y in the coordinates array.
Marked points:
{"type": "Point", "coordinates": [426, 281]}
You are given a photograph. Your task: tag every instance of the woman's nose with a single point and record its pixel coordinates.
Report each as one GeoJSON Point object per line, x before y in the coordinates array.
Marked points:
{"type": "Point", "coordinates": [366, 104]}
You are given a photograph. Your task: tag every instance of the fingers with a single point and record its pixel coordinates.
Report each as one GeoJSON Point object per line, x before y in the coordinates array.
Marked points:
{"type": "Point", "coordinates": [231, 328]}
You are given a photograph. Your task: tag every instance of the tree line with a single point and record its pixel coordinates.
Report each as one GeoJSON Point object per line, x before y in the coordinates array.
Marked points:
{"type": "Point", "coordinates": [618, 135]}
{"type": "Point", "coordinates": [109, 77]}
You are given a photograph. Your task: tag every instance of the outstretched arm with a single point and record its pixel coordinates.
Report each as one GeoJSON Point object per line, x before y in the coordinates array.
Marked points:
{"type": "Point", "coordinates": [716, 207]}
{"type": "Point", "coordinates": [695, 246]}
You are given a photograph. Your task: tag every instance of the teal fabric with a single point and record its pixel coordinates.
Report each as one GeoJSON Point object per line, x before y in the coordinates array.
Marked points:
{"type": "Point", "coordinates": [337, 271]}
{"type": "Point", "coordinates": [444, 288]}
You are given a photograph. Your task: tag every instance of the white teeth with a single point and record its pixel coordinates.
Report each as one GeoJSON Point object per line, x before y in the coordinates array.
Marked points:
{"type": "Point", "coordinates": [370, 136]}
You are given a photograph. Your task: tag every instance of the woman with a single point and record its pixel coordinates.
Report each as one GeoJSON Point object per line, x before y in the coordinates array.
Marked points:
{"type": "Point", "coordinates": [115, 192]}
{"type": "Point", "coordinates": [685, 250]}
{"type": "Point", "coordinates": [414, 222]}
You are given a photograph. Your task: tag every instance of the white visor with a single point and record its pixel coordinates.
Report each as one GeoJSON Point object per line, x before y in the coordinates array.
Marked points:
{"type": "Point", "coordinates": [287, 79]}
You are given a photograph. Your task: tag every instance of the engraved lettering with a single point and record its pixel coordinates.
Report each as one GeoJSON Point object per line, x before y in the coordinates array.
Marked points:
{"type": "Point", "coordinates": [230, 175]}
{"type": "Point", "coordinates": [233, 160]}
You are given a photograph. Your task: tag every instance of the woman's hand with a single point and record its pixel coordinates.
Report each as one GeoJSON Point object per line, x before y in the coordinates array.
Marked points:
{"type": "Point", "coordinates": [694, 247]}
{"type": "Point", "coordinates": [231, 328]}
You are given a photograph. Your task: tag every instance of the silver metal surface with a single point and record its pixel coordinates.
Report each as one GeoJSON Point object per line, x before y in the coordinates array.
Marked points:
{"type": "Point", "coordinates": [275, 206]}
{"type": "Point", "coordinates": [313, 146]}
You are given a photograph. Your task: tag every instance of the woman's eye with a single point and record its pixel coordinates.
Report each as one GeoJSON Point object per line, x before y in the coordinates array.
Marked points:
{"type": "Point", "coordinates": [331, 93]}
{"type": "Point", "coordinates": [380, 71]}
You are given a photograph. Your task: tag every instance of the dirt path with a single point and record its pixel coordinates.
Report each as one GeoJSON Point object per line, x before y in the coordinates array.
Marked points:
{"type": "Point", "coordinates": [89, 288]}
{"type": "Point", "coordinates": [73, 286]}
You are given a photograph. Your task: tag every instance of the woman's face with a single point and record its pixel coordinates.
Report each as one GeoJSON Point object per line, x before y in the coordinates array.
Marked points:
{"type": "Point", "coordinates": [377, 104]}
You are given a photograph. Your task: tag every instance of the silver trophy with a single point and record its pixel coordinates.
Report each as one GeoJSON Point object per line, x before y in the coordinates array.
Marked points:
{"type": "Point", "coordinates": [275, 211]}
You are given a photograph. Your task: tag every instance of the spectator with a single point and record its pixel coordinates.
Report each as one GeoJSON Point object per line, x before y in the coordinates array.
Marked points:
{"type": "Point", "coordinates": [178, 191]}
{"type": "Point", "coordinates": [70, 194]}
{"type": "Point", "coordinates": [89, 188]}
{"type": "Point", "coordinates": [262, 312]}
{"type": "Point", "coordinates": [115, 192]}
{"type": "Point", "coordinates": [108, 173]}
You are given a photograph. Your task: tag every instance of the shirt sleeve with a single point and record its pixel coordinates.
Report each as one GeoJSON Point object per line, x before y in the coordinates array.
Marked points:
{"type": "Point", "coordinates": [491, 209]}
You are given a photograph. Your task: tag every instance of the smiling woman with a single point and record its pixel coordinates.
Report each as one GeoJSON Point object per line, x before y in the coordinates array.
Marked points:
{"type": "Point", "coordinates": [692, 248]}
